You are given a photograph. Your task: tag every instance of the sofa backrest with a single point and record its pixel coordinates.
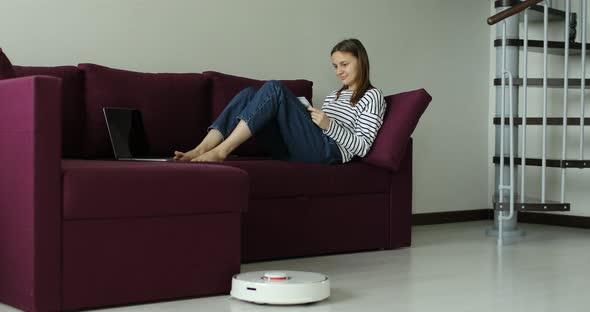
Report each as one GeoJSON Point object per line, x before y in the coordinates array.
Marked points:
{"type": "Point", "coordinates": [6, 68]}
{"type": "Point", "coordinates": [175, 107]}
{"type": "Point", "coordinates": [72, 106]}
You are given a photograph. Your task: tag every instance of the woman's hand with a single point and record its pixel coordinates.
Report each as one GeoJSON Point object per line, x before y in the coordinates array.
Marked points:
{"type": "Point", "coordinates": [319, 118]}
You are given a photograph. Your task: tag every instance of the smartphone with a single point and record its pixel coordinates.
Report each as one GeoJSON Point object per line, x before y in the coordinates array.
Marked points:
{"type": "Point", "coordinates": [304, 101]}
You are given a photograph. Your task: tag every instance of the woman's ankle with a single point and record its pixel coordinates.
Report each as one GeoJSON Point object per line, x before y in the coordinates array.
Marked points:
{"type": "Point", "coordinates": [195, 152]}
{"type": "Point", "coordinates": [202, 149]}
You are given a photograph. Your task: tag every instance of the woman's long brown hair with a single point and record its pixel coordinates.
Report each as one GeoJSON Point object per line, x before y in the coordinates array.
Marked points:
{"type": "Point", "coordinates": [356, 48]}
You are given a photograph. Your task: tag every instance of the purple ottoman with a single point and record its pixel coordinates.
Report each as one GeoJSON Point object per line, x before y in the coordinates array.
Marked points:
{"type": "Point", "coordinates": [145, 231]}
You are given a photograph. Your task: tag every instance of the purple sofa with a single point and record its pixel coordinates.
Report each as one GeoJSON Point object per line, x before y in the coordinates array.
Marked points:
{"type": "Point", "coordinates": [78, 230]}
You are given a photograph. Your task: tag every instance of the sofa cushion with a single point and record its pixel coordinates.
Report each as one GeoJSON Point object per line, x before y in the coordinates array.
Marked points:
{"type": "Point", "coordinates": [401, 117]}
{"type": "Point", "coordinates": [277, 178]}
{"type": "Point", "coordinates": [6, 70]}
{"type": "Point", "coordinates": [175, 107]}
{"type": "Point", "coordinates": [94, 189]}
{"type": "Point", "coordinates": [72, 104]}
{"type": "Point", "coordinates": [225, 87]}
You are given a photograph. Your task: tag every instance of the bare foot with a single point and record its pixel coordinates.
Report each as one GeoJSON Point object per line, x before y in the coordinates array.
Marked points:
{"type": "Point", "coordinates": [188, 156]}
{"type": "Point", "coordinates": [212, 155]}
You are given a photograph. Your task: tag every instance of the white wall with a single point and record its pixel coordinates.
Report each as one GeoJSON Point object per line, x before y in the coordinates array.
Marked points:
{"type": "Point", "coordinates": [440, 45]}
{"type": "Point", "coordinates": [577, 181]}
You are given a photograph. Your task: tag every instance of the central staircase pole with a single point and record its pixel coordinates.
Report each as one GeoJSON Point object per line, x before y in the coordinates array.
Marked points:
{"type": "Point", "coordinates": [510, 226]}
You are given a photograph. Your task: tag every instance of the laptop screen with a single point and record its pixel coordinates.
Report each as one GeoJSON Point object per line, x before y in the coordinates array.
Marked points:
{"type": "Point", "coordinates": [125, 126]}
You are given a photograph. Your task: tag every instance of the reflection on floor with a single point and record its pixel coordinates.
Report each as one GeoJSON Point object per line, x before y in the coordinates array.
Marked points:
{"type": "Point", "coordinates": [450, 267]}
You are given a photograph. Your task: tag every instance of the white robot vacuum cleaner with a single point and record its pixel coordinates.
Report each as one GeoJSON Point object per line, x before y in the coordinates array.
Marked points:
{"type": "Point", "coordinates": [280, 287]}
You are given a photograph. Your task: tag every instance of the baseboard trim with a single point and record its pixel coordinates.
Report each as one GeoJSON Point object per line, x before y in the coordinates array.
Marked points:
{"type": "Point", "coordinates": [451, 216]}
{"type": "Point", "coordinates": [487, 214]}
{"type": "Point", "coordinates": [554, 219]}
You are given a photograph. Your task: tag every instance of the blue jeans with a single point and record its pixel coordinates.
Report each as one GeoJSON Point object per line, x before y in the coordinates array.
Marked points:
{"type": "Point", "coordinates": [280, 122]}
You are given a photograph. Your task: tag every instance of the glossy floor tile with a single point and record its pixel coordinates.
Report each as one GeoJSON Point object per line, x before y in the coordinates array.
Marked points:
{"type": "Point", "coordinates": [450, 267]}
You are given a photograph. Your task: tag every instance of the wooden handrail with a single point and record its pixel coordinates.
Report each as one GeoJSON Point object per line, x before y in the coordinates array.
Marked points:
{"type": "Point", "coordinates": [512, 11]}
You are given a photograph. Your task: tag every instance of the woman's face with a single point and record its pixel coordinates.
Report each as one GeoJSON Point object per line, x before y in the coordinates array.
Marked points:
{"type": "Point", "coordinates": [346, 68]}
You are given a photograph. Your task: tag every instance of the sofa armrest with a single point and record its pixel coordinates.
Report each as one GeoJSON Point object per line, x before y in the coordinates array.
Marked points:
{"type": "Point", "coordinates": [401, 201]}
{"type": "Point", "coordinates": [30, 192]}
{"type": "Point", "coordinates": [401, 117]}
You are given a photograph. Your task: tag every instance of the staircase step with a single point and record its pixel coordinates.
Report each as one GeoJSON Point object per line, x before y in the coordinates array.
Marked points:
{"type": "Point", "coordinates": [551, 82]}
{"type": "Point", "coordinates": [551, 121]}
{"type": "Point", "coordinates": [535, 12]}
{"type": "Point", "coordinates": [553, 163]}
{"type": "Point", "coordinates": [553, 47]}
{"type": "Point", "coordinates": [529, 204]}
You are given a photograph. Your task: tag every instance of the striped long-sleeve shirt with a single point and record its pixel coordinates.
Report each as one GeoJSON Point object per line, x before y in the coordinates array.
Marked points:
{"type": "Point", "coordinates": [354, 128]}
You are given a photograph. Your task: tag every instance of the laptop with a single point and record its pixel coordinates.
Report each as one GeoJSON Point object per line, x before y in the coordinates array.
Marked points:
{"type": "Point", "coordinates": [128, 138]}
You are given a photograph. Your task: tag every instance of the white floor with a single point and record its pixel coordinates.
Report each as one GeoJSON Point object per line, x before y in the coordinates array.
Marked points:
{"type": "Point", "coordinates": [450, 267]}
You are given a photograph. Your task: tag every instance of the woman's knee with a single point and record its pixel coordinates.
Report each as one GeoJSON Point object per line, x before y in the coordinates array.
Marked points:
{"type": "Point", "coordinates": [274, 85]}
{"type": "Point", "coordinates": [249, 91]}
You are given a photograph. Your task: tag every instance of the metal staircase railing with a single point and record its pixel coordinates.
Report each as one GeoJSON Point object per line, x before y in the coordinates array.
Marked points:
{"type": "Point", "coordinates": [510, 69]}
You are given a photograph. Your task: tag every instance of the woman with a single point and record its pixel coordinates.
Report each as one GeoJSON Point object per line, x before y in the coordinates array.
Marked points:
{"type": "Point", "coordinates": [344, 127]}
